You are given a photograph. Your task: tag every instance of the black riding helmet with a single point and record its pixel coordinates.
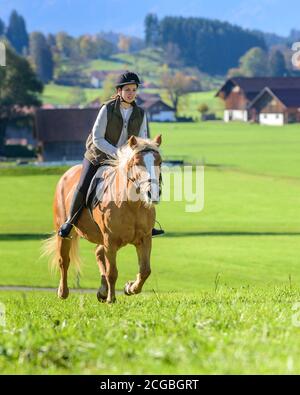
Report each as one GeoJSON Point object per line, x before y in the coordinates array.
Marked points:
{"type": "Point", "coordinates": [127, 78]}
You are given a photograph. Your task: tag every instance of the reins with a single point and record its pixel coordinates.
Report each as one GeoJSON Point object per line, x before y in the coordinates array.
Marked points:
{"type": "Point", "coordinates": [137, 184]}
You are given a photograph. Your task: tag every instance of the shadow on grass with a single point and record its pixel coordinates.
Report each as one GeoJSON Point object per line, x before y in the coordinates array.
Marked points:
{"type": "Point", "coordinates": [42, 236]}
{"type": "Point", "coordinates": [22, 236]}
{"type": "Point", "coordinates": [229, 234]}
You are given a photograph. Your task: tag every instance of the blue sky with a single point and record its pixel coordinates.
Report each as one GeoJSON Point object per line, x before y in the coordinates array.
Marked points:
{"type": "Point", "coordinates": [92, 16]}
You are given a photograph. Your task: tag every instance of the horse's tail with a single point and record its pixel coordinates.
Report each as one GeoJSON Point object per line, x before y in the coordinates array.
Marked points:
{"type": "Point", "coordinates": [51, 248]}
{"type": "Point", "coordinates": [55, 246]}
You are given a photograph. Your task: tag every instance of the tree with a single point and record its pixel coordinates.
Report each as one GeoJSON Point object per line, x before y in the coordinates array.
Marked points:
{"type": "Point", "coordinates": [19, 87]}
{"type": "Point", "coordinates": [87, 47]}
{"type": "Point", "coordinates": [67, 46]}
{"type": "Point", "coordinates": [176, 85]}
{"type": "Point", "coordinates": [108, 87]}
{"type": "Point", "coordinates": [94, 47]}
{"type": "Point", "coordinates": [253, 64]}
{"type": "Point", "coordinates": [17, 33]}
{"type": "Point", "coordinates": [104, 48]}
{"type": "Point", "coordinates": [51, 41]}
{"type": "Point", "coordinates": [294, 35]}
{"type": "Point", "coordinates": [210, 45]}
{"type": "Point", "coordinates": [152, 37]}
{"type": "Point", "coordinates": [41, 57]}
{"type": "Point", "coordinates": [277, 67]}
{"type": "Point", "coordinates": [203, 108]}
{"type": "Point", "coordinates": [287, 54]}
{"type": "Point", "coordinates": [235, 72]}
{"type": "Point", "coordinates": [2, 28]}
{"type": "Point", "coordinates": [136, 44]}
{"type": "Point", "coordinates": [172, 55]}
{"type": "Point", "coordinates": [124, 43]}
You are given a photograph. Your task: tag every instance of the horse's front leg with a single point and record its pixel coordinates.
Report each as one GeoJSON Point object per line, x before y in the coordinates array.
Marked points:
{"type": "Point", "coordinates": [100, 257]}
{"type": "Point", "coordinates": [110, 253]}
{"type": "Point", "coordinates": [143, 252]}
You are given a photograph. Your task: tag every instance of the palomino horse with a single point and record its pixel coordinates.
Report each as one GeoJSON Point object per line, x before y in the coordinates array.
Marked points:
{"type": "Point", "coordinates": [125, 215]}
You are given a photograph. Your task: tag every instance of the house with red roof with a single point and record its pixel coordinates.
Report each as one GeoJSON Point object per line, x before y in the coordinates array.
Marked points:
{"type": "Point", "coordinates": [266, 100]}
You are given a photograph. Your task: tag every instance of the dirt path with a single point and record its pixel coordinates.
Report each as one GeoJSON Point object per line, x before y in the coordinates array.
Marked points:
{"type": "Point", "coordinates": [45, 289]}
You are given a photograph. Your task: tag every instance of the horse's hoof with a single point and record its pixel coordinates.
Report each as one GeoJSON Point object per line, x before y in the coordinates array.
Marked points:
{"type": "Point", "coordinates": [111, 301]}
{"type": "Point", "coordinates": [63, 294]}
{"type": "Point", "coordinates": [101, 298]}
{"type": "Point", "coordinates": [127, 288]}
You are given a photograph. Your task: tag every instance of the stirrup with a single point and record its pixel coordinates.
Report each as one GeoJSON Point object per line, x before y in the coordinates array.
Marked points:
{"type": "Point", "coordinates": [157, 232]}
{"type": "Point", "coordinates": [65, 230]}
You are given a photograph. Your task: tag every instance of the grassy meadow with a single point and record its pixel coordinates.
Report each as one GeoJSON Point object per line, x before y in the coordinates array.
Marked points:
{"type": "Point", "coordinates": [225, 331]}
{"type": "Point", "coordinates": [188, 104]}
{"type": "Point", "coordinates": [147, 63]}
{"type": "Point", "coordinates": [66, 95]}
{"type": "Point", "coordinates": [223, 283]}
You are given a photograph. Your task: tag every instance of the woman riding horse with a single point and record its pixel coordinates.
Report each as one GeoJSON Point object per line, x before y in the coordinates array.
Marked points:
{"type": "Point", "coordinates": [118, 120]}
{"type": "Point", "coordinates": [125, 214]}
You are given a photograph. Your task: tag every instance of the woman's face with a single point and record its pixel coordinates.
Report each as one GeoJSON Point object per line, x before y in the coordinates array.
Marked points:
{"type": "Point", "coordinates": [128, 92]}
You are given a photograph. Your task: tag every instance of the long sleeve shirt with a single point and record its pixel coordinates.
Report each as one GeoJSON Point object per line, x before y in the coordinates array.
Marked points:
{"type": "Point", "coordinates": [99, 130]}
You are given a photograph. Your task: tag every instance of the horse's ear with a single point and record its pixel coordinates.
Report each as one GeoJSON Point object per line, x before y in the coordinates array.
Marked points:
{"type": "Point", "coordinates": [157, 140]}
{"type": "Point", "coordinates": [132, 142]}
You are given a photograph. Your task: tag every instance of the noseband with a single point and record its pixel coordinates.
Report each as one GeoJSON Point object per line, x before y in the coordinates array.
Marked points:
{"type": "Point", "coordinates": [137, 184]}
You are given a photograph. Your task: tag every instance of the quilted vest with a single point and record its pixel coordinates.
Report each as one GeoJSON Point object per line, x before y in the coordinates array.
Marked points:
{"type": "Point", "coordinates": [113, 129]}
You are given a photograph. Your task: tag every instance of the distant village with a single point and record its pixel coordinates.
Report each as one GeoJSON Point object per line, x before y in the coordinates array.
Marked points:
{"type": "Point", "coordinates": [60, 132]}
{"type": "Point", "coordinates": [261, 85]}
{"type": "Point", "coordinates": [264, 100]}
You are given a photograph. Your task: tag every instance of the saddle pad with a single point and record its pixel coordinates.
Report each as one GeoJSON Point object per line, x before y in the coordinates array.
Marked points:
{"type": "Point", "coordinates": [96, 188]}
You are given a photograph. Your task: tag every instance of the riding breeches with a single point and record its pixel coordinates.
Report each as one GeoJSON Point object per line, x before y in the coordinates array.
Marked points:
{"type": "Point", "coordinates": [87, 174]}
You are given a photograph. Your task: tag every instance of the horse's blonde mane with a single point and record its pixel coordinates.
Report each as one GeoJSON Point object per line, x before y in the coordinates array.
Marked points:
{"type": "Point", "coordinates": [126, 153]}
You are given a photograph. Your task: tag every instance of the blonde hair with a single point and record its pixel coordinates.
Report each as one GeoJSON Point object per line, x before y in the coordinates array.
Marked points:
{"type": "Point", "coordinates": [115, 96]}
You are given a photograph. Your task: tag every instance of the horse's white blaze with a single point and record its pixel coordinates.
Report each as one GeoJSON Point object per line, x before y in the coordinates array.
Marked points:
{"type": "Point", "coordinates": [149, 163]}
{"type": "Point", "coordinates": [145, 173]}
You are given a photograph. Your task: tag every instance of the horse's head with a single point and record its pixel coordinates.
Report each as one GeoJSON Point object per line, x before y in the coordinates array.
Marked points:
{"type": "Point", "coordinates": [144, 168]}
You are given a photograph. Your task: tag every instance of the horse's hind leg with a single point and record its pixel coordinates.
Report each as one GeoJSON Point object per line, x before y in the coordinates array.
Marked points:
{"type": "Point", "coordinates": [64, 246]}
{"type": "Point", "coordinates": [103, 290]}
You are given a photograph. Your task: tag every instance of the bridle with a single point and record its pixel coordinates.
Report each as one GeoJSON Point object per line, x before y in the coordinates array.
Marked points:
{"type": "Point", "coordinates": [137, 184]}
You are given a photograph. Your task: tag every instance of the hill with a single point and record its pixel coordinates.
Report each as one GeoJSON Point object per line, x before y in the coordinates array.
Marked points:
{"type": "Point", "coordinates": [147, 63]}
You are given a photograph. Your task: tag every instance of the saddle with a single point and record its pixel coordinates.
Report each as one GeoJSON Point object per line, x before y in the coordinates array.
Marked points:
{"type": "Point", "coordinates": [97, 188]}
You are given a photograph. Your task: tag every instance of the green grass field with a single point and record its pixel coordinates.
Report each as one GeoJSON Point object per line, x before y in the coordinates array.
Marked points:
{"type": "Point", "coordinates": [64, 95]}
{"type": "Point", "coordinates": [188, 104]}
{"type": "Point", "coordinates": [146, 63]}
{"type": "Point", "coordinates": [223, 282]}
{"type": "Point", "coordinates": [227, 331]}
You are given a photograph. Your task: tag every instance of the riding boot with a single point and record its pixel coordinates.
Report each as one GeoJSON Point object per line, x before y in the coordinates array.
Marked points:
{"type": "Point", "coordinates": [157, 232]}
{"type": "Point", "coordinates": [77, 205]}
